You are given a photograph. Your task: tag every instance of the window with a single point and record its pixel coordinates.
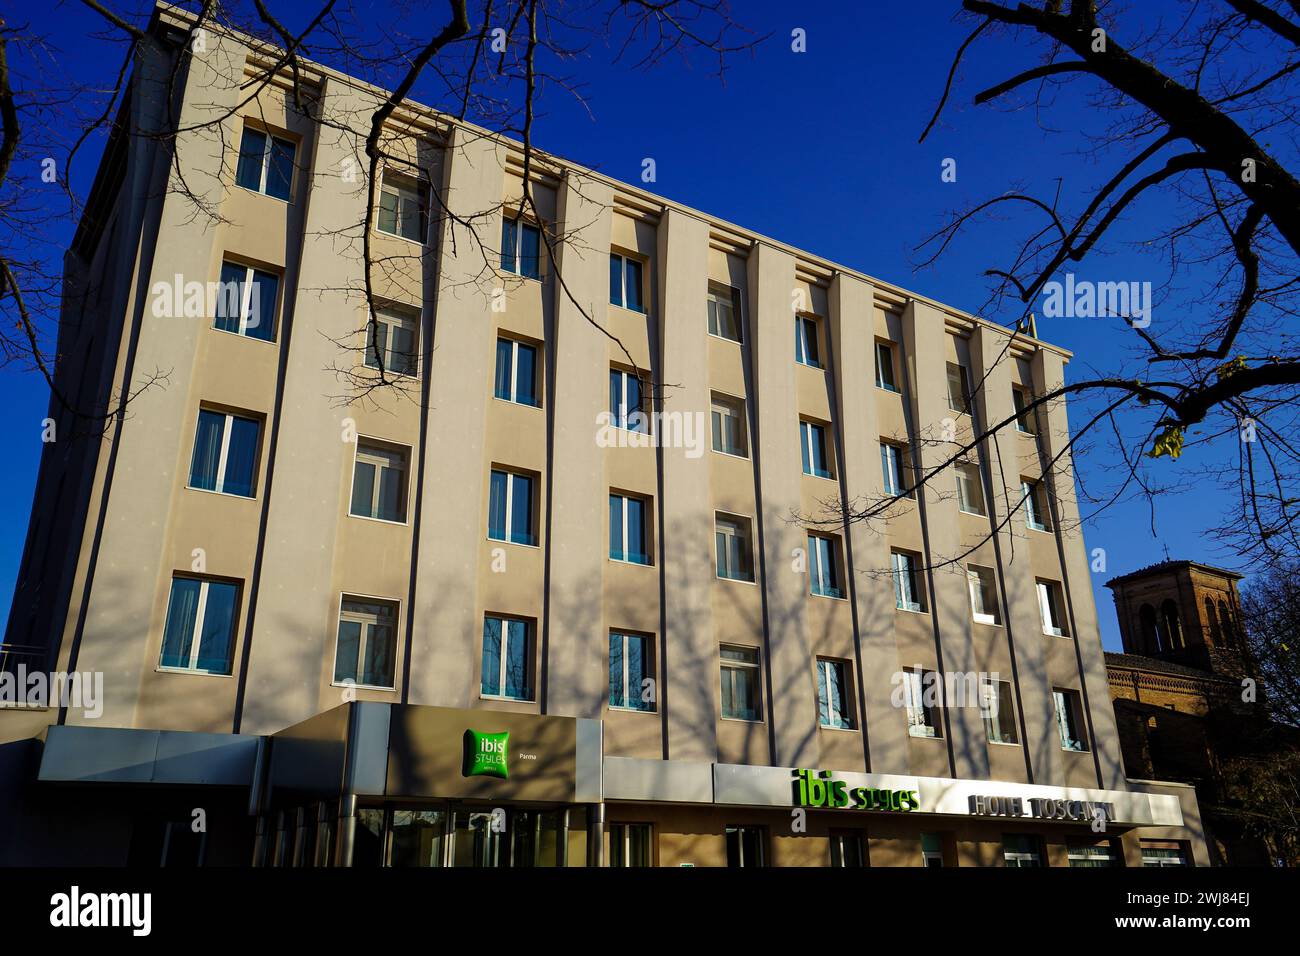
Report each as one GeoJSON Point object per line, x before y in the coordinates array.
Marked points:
{"type": "Point", "coordinates": [833, 708]}
{"type": "Point", "coordinates": [510, 508]}
{"type": "Point", "coordinates": [1069, 720]}
{"type": "Point", "coordinates": [630, 844]}
{"type": "Point", "coordinates": [627, 529]}
{"type": "Point", "coordinates": [740, 700]}
{"type": "Point", "coordinates": [723, 313]}
{"type": "Point", "coordinates": [1093, 856]}
{"type": "Point", "coordinates": [521, 247]}
{"type": "Point", "coordinates": [1049, 608]}
{"type": "Point", "coordinates": [958, 388]}
{"type": "Point", "coordinates": [507, 658]}
{"type": "Point", "coordinates": [402, 207]}
{"type": "Point", "coordinates": [970, 492]}
{"type": "Point", "coordinates": [366, 649]}
{"type": "Point", "coordinates": [735, 555]}
{"type": "Point", "coordinates": [265, 164]}
{"type": "Point", "coordinates": [418, 837]}
{"type": "Point", "coordinates": [931, 850]}
{"type": "Point", "coordinates": [225, 453]}
{"type": "Point", "coordinates": [1020, 397]}
{"type": "Point", "coordinates": [393, 338]}
{"type": "Point", "coordinates": [631, 672]}
{"type": "Point", "coordinates": [846, 849]}
{"type": "Point", "coordinates": [907, 584]}
{"type": "Point", "coordinates": [805, 341]}
{"type": "Point", "coordinates": [1035, 510]}
{"type": "Point", "coordinates": [625, 278]}
{"type": "Point", "coordinates": [824, 566]}
{"type": "Point", "coordinates": [746, 846]}
{"type": "Point", "coordinates": [246, 301]}
{"type": "Point", "coordinates": [919, 692]}
{"type": "Point", "coordinates": [516, 374]}
{"type": "Point", "coordinates": [199, 635]}
{"type": "Point", "coordinates": [1163, 853]}
{"type": "Point", "coordinates": [893, 465]}
{"type": "Point", "coordinates": [379, 481]}
{"type": "Point", "coordinates": [998, 711]}
{"type": "Point", "coordinates": [983, 594]}
{"type": "Point", "coordinates": [1020, 850]}
{"type": "Point", "coordinates": [812, 439]}
{"type": "Point", "coordinates": [626, 402]}
{"type": "Point", "coordinates": [885, 367]}
{"type": "Point", "coordinates": [728, 417]}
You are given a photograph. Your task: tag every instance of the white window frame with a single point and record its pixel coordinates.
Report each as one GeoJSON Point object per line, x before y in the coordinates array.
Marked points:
{"type": "Point", "coordinates": [195, 634]}
{"type": "Point", "coordinates": [402, 191]}
{"type": "Point", "coordinates": [751, 667]}
{"type": "Point", "coordinates": [1034, 508]}
{"type": "Point", "coordinates": [505, 656]}
{"type": "Point", "coordinates": [647, 646]}
{"type": "Point", "coordinates": [1024, 420]}
{"type": "Point", "coordinates": [805, 437]}
{"type": "Point", "coordinates": [514, 372]}
{"type": "Point", "coordinates": [1049, 610]}
{"type": "Point", "coordinates": [389, 318]}
{"type": "Point", "coordinates": [963, 383]}
{"type": "Point", "coordinates": [733, 527]}
{"type": "Point", "coordinates": [728, 408]}
{"type": "Point", "coordinates": [802, 323]}
{"type": "Point", "coordinates": [994, 720]}
{"type": "Point", "coordinates": [968, 477]}
{"type": "Point", "coordinates": [246, 301]}
{"type": "Point", "coordinates": [510, 506]}
{"type": "Point", "coordinates": [623, 420]}
{"type": "Point", "coordinates": [266, 161]}
{"type": "Point", "coordinates": [1064, 701]}
{"type": "Point", "coordinates": [368, 623]}
{"type": "Point", "coordinates": [646, 516]}
{"type": "Point", "coordinates": [1086, 853]}
{"type": "Point", "coordinates": [381, 463]}
{"type": "Point", "coordinates": [888, 349]}
{"type": "Point", "coordinates": [731, 299]}
{"type": "Point", "coordinates": [227, 425]}
{"type": "Point", "coordinates": [828, 665]}
{"type": "Point", "coordinates": [519, 224]}
{"type": "Point", "coordinates": [1034, 856]}
{"type": "Point", "coordinates": [914, 682]}
{"type": "Point", "coordinates": [982, 583]}
{"type": "Point", "coordinates": [623, 259]}
{"type": "Point", "coordinates": [893, 472]}
{"type": "Point", "coordinates": [818, 574]}
{"type": "Point", "coordinates": [909, 579]}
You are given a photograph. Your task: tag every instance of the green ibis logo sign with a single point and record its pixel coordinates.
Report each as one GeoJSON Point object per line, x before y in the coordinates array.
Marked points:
{"type": "Point", "coordinates": [485, 755]}
{"type": "Point", "coordinates": [818, 789]}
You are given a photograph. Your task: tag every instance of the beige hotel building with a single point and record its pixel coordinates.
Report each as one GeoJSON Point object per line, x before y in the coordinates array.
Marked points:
{"type": "Point", "coordinates": [570, 592]}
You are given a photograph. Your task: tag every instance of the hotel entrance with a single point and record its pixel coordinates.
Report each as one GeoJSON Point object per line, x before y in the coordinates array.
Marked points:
{"type": "Point", "coordinates": [470, 835]}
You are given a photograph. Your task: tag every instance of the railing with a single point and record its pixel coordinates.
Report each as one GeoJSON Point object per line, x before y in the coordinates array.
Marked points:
{"type": "Point", "coordinates": [31, 656]}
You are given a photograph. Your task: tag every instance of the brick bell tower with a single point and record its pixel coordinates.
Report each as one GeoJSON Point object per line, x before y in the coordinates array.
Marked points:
{"type": "Point", "coordinates": [1183, 612]}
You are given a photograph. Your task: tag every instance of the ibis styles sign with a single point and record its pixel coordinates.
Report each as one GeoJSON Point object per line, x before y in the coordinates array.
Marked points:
{"type": "Point", "coordinates": [485, 754]}
{"type": "Point", "coordinates": [817, 789]}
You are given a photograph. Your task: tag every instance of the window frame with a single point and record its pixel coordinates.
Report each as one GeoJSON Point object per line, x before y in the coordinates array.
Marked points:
{"type": "Point", "coordinates": [624, 260]}
{"type": "Point", "coordinates": [406, 452]}
{"type": "Point", "coordinates": [196, 632]}
{"type": "Point", "coordinates": [623, 831]}
{"type": "Point", "coordinates": [825, 667]}
{"type": "Point", "coordinates": [734, 408]}
{"type": "Point", "coordinates": [647, 525]}
{"type": "Point", "coordinates": [984, 582]}
{"type": "Point", "coordinates": [739, 523]}
{"type": "Point", "coordinates": [519, 223]}
{"type": "Point", "coordinates": [1020, 397]}
{"type": "Point", "coordinates": [530, 660]}
{"type": "Point", "coordinates": [892, 384]}
{"type": "Point", "coordinates": [817, 572]}
{"type": "Point", "coordinates": [648, 668]}
{"type": "Point", "coordinates": [914, 699]}
{"type": "Point", "coordinates": [751, 667]}
{"type": "Point", "coordinates": [963, 383]}
{"type": "Point", "coordinates": [916, 585]}
{"type": "Point", "coordinates": [346, 597]}
{"type": "Point", "coordinates": [1004, 726]}
{"type": "Point", "coordinates": [806, 427]}
{"type": "Point", "coordinates": [246, 299]}
{"type": "Point", "coordinates": [516, 346]}
{"type": "Point", "coordinates": [731, 297]}
{"type": "Point", "coordinates": [837, 838]}
{"type": "Point", "coordinates": [1067, 705]}
{"type": "Point", "coordinates": [264, 173]}
{"type": "Point", "coordinates": [962, 471]}
{"type": "Point", "coordinates": [802, 322]}
{"type": "Point", "coordinates": [223, 456]}
{"type": "Point", "coordinates": [621, 414]}
{"type": "Point", "coordinates": [1034, 856]}
{"type": "Point", "coordinates": [895, 478]}
{"type": "Point", "coordinates": [512, 475]}
{"type": "Point", "coordinates": [1034, 503]}
{"type": "Point", "coordinates": [1050, 612]}
{"type": "Point", "coordinates": [402, 191]}
{"type": "Point", "coordinates": [740, 830]}
{"type": "Point", "coordinates": [391, 316]}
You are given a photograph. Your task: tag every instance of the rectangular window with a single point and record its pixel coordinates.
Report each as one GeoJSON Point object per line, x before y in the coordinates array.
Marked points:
{"type": "Point", "coordinates": [631, 672]}
{"type": "Point", "coordinates": [1020, 397]}
{"type": "Point", "coordinates": [403, 210]}
{"type": "Point", "coordinates": [958, 388]}
{"type": "Point", "coordinates": [246, 301]}
{"type": "Point", "coordinates": [367, 646]}
{"type": "Point", "coordinates": [970, 491]}
{"type": "Point", "coordinates": [1020, 850]}
{"type": "Point", "coordinates": [920, 692]}
{"type": "Point", "coordinates": [812, 440]}
{"type": "Point", "coordinates": [846, 849]}
{"type": "Point", "coordinates": [630, 844]}
{"type": "Point", "coordinates": [740, 698]}
{"type": "Point", "coordinates": [728, 419]}
{"type": "Point", "coordinates": [379, 481]}
{"type": "Point", "coordinates": [824, 566]}
{"type": "Point", "coordinates": [265, 163]}
{"type": "Point", "coordinates": [627, 402]}
{"type": "Point", "coordinates": [998, 712]}
{"type": "Point", "coordinates": [625, 282]}
{"type": "Point", "coordinates": [983, 594]}
{"type": "Point", "coordinates": [507, 658]}
{"type": "Point", "coordinates": [225, 453]}
{"type": "Point", "coordinates": [1049, 608]}
{"type": "Point", "coordinates": [907, 582]}
{"type": "Point", "coordinates": [516, 373]}
{"type": "Point", "coordinates": [417, 837]}
{"type": "Point", "coordinates": [1035, 504]}
{"type": "Point", "coordinates": [628, 540]}
{"type": "Point", "coordinates": [734, 552]}
{"type": "Point", "coordinates": [885, 367]}
{"type": "Point", "coordinates": [393, 339]}
{"type": "Point", "coordinates": [894, 468]}
{"type": "Point", "coordinates": [931, 850]}
{"type": "Point", "coordinates": [805, 341]}
{"type": "Point", "coordinates": [1069, 720]}
{"type": "Point", "coordinates": [199, 635]}
{"type": "Point", "coordinates": [724, 313]}
{"type": "Point", "coordinates": [1163, 853]}
{"type": "Point", "coordinates": [746, 846]}
{"type": "Point", "coordinates": [510, 508]}
{"type": "Point", "coordinates": [833, 709]}
{"type": "Point", "coordinates": [521, 247]}
{"type": "Point", "coordinates": [1095, 856]}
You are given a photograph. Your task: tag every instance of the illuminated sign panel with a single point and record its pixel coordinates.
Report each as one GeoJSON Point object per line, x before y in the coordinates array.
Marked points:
{"type": "Point", "coordinates": [818, 789]}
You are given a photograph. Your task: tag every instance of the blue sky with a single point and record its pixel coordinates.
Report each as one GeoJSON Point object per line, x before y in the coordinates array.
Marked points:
{"type": "Point", "coordinates": [817, 149]}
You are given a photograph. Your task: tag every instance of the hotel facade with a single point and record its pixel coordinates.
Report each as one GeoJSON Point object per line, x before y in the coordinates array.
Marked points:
{"type": "Point", "coordinates": [577, 588]}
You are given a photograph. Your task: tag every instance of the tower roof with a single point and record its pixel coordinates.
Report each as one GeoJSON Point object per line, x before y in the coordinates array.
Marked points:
{"type": "Point", "coordinates": [1163, 567]}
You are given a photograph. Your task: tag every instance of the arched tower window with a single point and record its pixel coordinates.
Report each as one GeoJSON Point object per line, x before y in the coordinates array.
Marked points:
{"type": "Point", "coordinates": [1171, 627]}
{"type": "Point", "coordinates": [1211, 623]}
{"type": "Point", "coordinates": [1150, 630]}
{"type": "Point", "coordinates": [1225, 625]}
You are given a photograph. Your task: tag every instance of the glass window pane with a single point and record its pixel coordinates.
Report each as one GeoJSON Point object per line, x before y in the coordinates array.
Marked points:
{"type": "Point", "coordinates": [260, 322]}
{"type": "Point", "coordinates": [525, 387]}
{"type": "Point", "coordinates": [517, 683]}
{"type": "Point", "coordinates": [505, 363]}
{"type": "Point", "coordinates": [349, 646]}
{"type": "Point", "coordinates": [633, 285]}
{"type": "Point", "coordinates": [530, 253]}
{"type": "Point", "coordinates": [363, 489]}
{"type": "Point", "coordinates": [207, 450]}
{"type": "Point", "coordinates": [491, 675]}
{"type": "Point", "coordinates": [616, 527]}
{"type": "Point", "coordinates": [251, 149]}
{"type": "Point", "coordinates": [377, 668]}
{"type": "Point", "coordinates": [230, 297]}
{"type": "Point", "coordinates": [615, 280]}
{"type": "Point", "coordinates": [521, 510]}
{"type": "Point", "coordinates": [616, 398]}
{"type": "Point", "coordinates": [497, 506]}
{"type": "Point", "coordinates": [401, 354]}
{"type": "Point", "coordinates": [279, 174]}
{"type": "Point", "coordinates": [182, 610]}
{"type": "Point", "coordinates": [616, 690]}
{"type": "Point", "coordinates": [508, 233]}
{"type": "Point", "coordinates": [241, 457]}
{"type": "Point", "coordinates": [217, 639]}
{"type": "Point", "coordinates": [637, 672]}
{"type": "Point", "coordinates": [388, 211]}
{"type": "Point", "coordinates": [392, 504]}
{"type": "Point", "coordinates": [636, 531]}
